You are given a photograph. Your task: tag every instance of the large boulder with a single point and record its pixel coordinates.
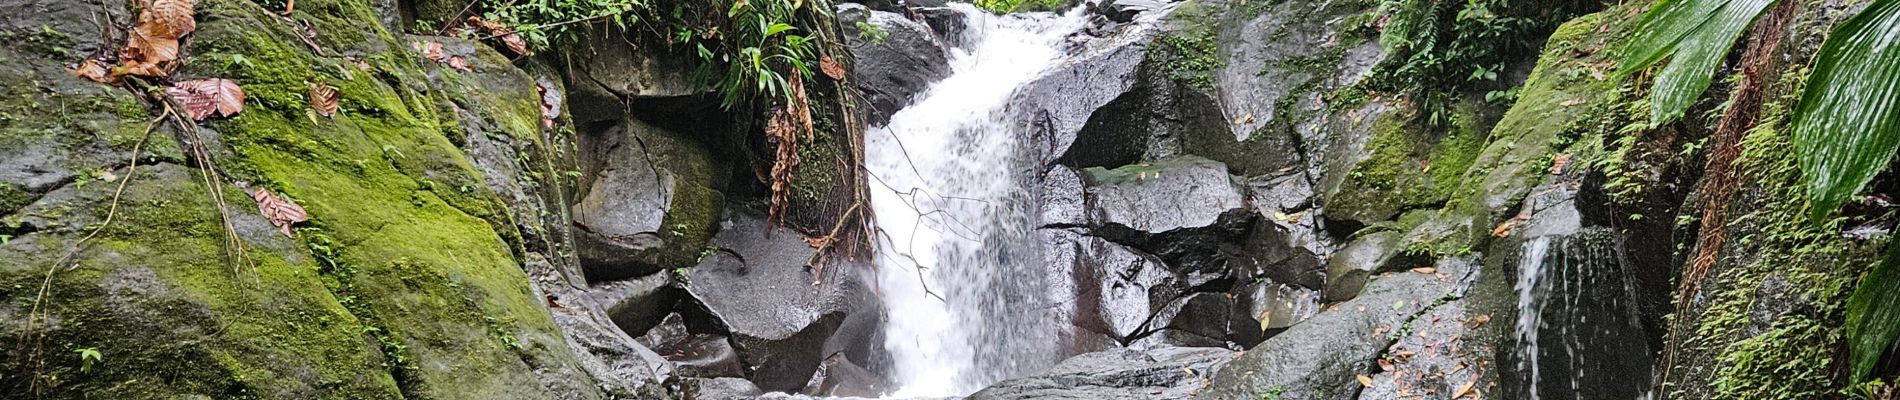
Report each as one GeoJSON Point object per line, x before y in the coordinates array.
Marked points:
{"type": "Point", "coordinates": [646, 202]}
{"type": "Point", "coordinates": [1350, 268]}
{"type": "Point", "coordinates": [1157, 373]}
{"type": "Point", "coordinates": [1181, 209]}
{"type": "Point", "coordinates": [897, 58]}
{"type": "Point", "coordinates": [1321, 357]}
{"type": "Point", "coordinates": [756, 287]}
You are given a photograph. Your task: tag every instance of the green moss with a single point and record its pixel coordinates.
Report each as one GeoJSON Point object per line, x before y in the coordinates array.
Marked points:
{"type": "Point", "coordinates": [1190, 49]}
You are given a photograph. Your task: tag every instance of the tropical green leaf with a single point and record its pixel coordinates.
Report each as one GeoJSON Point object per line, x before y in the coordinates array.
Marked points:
{"type": "Point", "coordinates": [1873, 313]}
{"type": "Point", "coordinates": [1663, 26]}
{"type": "Point", "coordinates": [1847, 125]}
{"type": "Point", "coordinates": [1697, 56]}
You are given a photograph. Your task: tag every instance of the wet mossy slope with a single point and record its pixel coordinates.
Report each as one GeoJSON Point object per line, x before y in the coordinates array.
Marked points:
{"type": "Point", "coordinates": [405, 283]}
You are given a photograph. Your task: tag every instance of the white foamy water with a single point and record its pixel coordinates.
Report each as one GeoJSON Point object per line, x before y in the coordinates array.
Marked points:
{"type": "Point", "coordinates": [1530, 305]}
{"type": "Point", "coordinates": [949, 191]}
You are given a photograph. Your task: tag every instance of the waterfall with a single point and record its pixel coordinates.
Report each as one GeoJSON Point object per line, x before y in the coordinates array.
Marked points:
{"type": "Point", "coordinates": [1578, 333]}
{"type": "Point", "coordinates": [958, 268]}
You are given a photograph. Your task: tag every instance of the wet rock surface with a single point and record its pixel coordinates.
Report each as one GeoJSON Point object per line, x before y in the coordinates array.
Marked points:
{"type": "Point", "coordinates": [647, 203]}
{"type": "Point", "coordinates": [897, 58]}
{"type": "Point", "coordinates": [1321, 357]}
{"type": "Point", "coordinates": [755, 287]}
{"type": "Point", "coordinates": [1161, 372]}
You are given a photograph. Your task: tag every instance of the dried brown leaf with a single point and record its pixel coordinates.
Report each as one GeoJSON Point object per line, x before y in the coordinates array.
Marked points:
{"type": "Point", "coordinates": [206, 97]}
{"type": "Point", "coordinates": [831, 68]}
{"type": "Point", "coordinates": [93, 70]}
{"type": "Point", "coordinates": [459, 63]}
{"type": "Point", "coordinates": [281, 213]}
{"type": "Point", "coordinates": [1572, 102]}
{"type": "Point", "coordinates": [507, 35]}
{"type": "Point", "coordinates": [1424, 270]}
{"type": "Point", "coordinates": [550, 104]}
{"type": "Point", "coordinates": [431, 51]}
{"type": "Point", "coordinates": [168, 19]}
{"type": "Point", "coordinates": [324, 99]}
{"type": "Point", "coordinates": [1465, 389]}
{"type": "Point", "coordinates": [1365, 380]}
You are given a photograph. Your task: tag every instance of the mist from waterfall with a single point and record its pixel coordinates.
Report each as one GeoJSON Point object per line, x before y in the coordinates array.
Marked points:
{"type": "Point", "coordinates": [958, 268]}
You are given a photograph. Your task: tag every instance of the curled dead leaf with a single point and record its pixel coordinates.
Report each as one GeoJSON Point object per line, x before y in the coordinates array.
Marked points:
{"type": "Point", "coordinates": [507, 35]}
{"type": "Point", "coordinates": [169, 19]}
{"type": "Point", "coordinates": [93, 70]}
{"type": "Point", "coordinates": [432, 51]}
{"type": "Point", "coordinates": [324, 99]}
{"type": "Point", "coordinates": [281, 213]}
{"type": "Point", "coordinates": [203, 98]}
{"type": "Point", "coordinates": [1465, 389]}
{"type": "Point", "coordinates": [831, 68]}
{"type": "Point", "coordinates": [459, 63]}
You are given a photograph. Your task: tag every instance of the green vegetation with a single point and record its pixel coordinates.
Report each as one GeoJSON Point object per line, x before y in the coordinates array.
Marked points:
{"type": "Point", "coordinates": [1191, 54]}
{"type": "Point", "coordinates": [1846, 126]}
{"type": "Point", "coordinates": [1440, 49]}
{"type": "Point", "coordinates": [1010, 6]}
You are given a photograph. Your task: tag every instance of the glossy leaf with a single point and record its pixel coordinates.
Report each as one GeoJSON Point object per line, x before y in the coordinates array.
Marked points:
{"type": "Point", "coordinates": [1847, 125]}
{"type": "Point", "coordinates": [1873, 313]}
{"type": "Point", "coordinates": [1698, 55]}
{"type": "Point", "coordinates": [1663, 26]}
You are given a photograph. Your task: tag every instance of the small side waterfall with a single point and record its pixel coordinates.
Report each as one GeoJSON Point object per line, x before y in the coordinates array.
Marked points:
{"type": "Point", "coordinates": [1578, 332]}
{"type": "Point", "coordinates": [958, 266]}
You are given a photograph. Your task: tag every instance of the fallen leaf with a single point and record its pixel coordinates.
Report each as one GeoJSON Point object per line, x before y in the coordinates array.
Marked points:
{"type": "Point", "coordinates": [431, 51]}
{"type": "Point", "coordinates": [281, 213]}
{"type": "Point", "coordinates": [1244, 119]}
{"type": "Point", "coordinates": [290, 6]}
{"type": "Point", "coordinates": [1425, 270]}
{"type": "Point", "coordinates": [1464, 389]}
{"type": "Point", "coordinates": [459, 63]}
{"type": "Point", "coordinates": [1480, 320]}
{"type": "Point", "coordinates": [507, 35]}
{"type": "Point", "coordinates": [170, 19]}
{"type": "Point", "coordinates": [1365, 380]}
{"type": "Point", "coordinates": [831, 68]}
{"type": "Point", "coordinates": [550, 104]}
{"type": "Point", "coordinates": [1386, 365]}
{"type": "Point", "coordinates": [93, 70]}
{"type": "Point", "coordinates": [1571, 102]}
{"type": "Point", "coordinates": [1379, 331]}
{"type": "Point", "coordinates": [1505, 228]}
{"type": "Point", "coordinates": [323, 99]}
{"type": "Point", "coordinates": [206, 97]}
{"type": "Point", "coordinates": [554, 302]}
{"type": "Point", "coordinates": [1557, 165]}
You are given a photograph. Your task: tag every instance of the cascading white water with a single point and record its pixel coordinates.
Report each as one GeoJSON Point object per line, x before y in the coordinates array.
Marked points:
{"type": "Point", "coordinates": [1530, 304]}
{"type": "Point", "coordinates": [957, 266]}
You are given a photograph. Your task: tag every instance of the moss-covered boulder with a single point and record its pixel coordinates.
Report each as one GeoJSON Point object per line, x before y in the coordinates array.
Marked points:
{"type": "Point", "coordinates": [407, 282]}
{"type": "Point", "coordinates": [647, 201]}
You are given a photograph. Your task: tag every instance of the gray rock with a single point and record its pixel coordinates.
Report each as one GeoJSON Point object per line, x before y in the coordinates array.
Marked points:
{"type": "Point", "coordinates": [694, 355]}
{"type": "Point", "coordinates": [1350, 268]}
{"type": "Point", "coordinates": [1121, 288]}
{"type": "Point", "coordinates": [757, 288]}
{"type": "Point", "coordinates": [897, 58]}
{"type": "Point", "coordinates": [1054, 108]}
{"type": "Point", "coordinates": [718, 389]}
{"type": "Point", "coordinates": [1195, 320]}
{"type": "Point", "coordinates": [1157, 373]}
{"type": "Point", "coordinates": [1321, 357]}
{"type": "Point", "coordinates": [839, 377]}
{"type": "Point", "coordinates": [636, 305]}
{"type": "Point", "coordinates": [1062, 198]}
{"type": "Point", "coordinates": [1181, 209]}
{"type": "Point", "coordinates": [1263, 309]}
{"type": "Point", "coordinates": [646, 202]}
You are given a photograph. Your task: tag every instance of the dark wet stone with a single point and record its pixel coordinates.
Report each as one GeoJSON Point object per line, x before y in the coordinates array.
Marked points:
{"type": "Point", "coordinates": [718, 389]}
{"type": "Point", "coordinates": [1181, 209]}
{"type": "Point", "coordinates": [1350, 268]}
{"type": "Point", "coordinates": [1062, 201]}
{"type": "Point", "coordinates": [839, 377]}
{"type": "Point", "coordinates": [693, 354]}
{"type": "Point", "coordinates": [895, 62]}
{"type": "Point", "coordinates": [1263, 309]}
{"type": "Point", "coordinates": [636, 305]}
{"type": "Point", "coordinates": [756, 287]}
{"type": "Point", "coordinates": [646, 202]}
{"type": "Point", "coordinates": [1321, 357]}
{"type": "Point", "coordinates": [1157, 373]}
{"type": "Point", "coordinates": [1194, 320]}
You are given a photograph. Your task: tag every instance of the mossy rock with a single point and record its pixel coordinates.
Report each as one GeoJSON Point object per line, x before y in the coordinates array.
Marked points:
{"type": "Point", "coordinates": [403, 284]}
{"type": "Point", "coordinates": [1559, 99]}
{"type": "Point", "coordinates": [1411, 165]}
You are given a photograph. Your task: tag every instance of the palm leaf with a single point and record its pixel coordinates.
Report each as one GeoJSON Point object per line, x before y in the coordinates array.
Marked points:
{"type": "Point", "coordinates": [1873, 313]}
{"type": "Point", "coordinates": [1847, 125]}
{"type": "Point", "coordinates": [1694, 53]}
{"type": "Point", "coordinates": [1697, 56]}
{"type": "Point", "coordinates": [1663, 26]}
